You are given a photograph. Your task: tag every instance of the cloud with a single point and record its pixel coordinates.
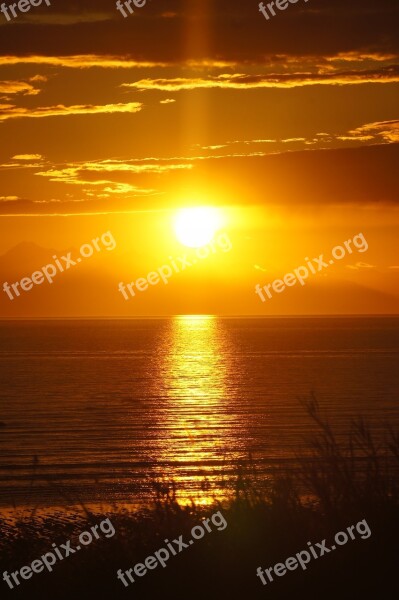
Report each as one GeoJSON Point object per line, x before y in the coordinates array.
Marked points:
{"type": "Point", "coordinates": [107, 186]}
{"type": "Point", "coordinates": [297, 139]}
{"type": "Point", "coordinates": [73, 27]}
{"type": "Point", "coordinates": [18, 87]}
{"type": "Point", "coordinates": [360, 265]}
{"type": "Point", "coordinates": [167, 101]}
{"type": "Point", "coordinates": [80, 61]}
{"type": "Point", "coordinates": [41, 78]}
{"type": "Point", "coordinates": [107, 61]}
{"type": "Point", "coordinates": [154, 166]}
{"type": "Point", "coordinates": [356, 56]}
{"type": "Point", "coordinates": [361, 177]}
{"type": "Point", "coordinates": [239, 142]}
{"type": "Point", "coordinates": [357, 176]}
{"type": "Point", "coordinates": [8, 111]}
{"type": "Point", "coordinates": [280, 80]}
{"type": "Point", "coordinates": [381, 131]}
{"type": "Point", "coordinates": [27, 157]}
{"type": "Point", "coordinates": [8, 198]}
{"type": "Point", "coordinates": [90, 174]}
{"type": "Point", "coordinates": [378, 133]}
{"type": "Point", "coordinates": [286, 62]}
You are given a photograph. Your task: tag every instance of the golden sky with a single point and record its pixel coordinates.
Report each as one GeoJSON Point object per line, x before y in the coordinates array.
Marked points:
{"type": "Point", "coordinates": [290, 126]}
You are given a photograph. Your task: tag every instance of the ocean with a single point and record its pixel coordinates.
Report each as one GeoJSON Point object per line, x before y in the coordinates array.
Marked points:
{"type": "Point", "coordinates": [104, 411]}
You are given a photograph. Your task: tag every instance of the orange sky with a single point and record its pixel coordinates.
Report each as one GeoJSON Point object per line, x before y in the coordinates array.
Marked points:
{"type": "Point", "coordinates": [290, 126]}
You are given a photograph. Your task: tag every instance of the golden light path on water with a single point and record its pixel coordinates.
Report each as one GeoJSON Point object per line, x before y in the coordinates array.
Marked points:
{"type": "Point", "coordinates": [197, 416]}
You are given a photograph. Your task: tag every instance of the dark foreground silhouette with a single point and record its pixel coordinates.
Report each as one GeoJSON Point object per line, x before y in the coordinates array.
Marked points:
{"type": "Point", "coordinates": [337, 486]}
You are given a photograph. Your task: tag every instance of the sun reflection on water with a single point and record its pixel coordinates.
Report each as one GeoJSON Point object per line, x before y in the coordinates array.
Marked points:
{"type": "Point", "coordinates": [196, 420]}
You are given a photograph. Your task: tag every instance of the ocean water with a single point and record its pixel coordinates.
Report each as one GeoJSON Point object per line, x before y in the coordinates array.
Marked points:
{"type": "Point", "coordinates": [99, 410]}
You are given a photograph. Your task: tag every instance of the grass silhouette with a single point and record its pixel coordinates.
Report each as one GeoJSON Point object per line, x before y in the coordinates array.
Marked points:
{"type": "Point", "coordinates": [337, 484]}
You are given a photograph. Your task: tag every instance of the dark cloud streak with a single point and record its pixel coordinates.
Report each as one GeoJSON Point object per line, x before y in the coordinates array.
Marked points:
{"type": "Point", "coordinates": [235, 30]}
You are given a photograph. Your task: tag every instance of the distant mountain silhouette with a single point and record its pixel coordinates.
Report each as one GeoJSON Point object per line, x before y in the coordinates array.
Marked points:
{"type": "Point", "coordinates": [26, 257]}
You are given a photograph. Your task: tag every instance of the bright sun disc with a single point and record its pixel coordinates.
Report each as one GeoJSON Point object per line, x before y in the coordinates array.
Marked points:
{"type": "Point", "coordinates": [196, 227]}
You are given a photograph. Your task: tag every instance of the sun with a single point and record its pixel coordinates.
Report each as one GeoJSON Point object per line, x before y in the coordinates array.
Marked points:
{"type": "Point", "coordinates": [196, 227]}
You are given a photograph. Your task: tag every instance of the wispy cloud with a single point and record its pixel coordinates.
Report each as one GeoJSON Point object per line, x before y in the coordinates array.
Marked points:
{"type": "Point", "coordinates": [280, 80]}
{"type": "Point", "coordinates": [9, 111]}
{"type": "Point", "coordinates": [359, 266]}
{"type": "Point", "coordinates": [85, 174]}
{"type": "Point", "coordinates": [286, 61]}
{"type": "Point", "coordinates": [114, 166]}
{"type": "Point", "coordinates": [80, 61]}
{"type": "Point", "coordinates": [380, 131]}
{"type": "Point", "coordinates": [25, 88]}
{"type": "Point", "coordinates": [27, 157]}
{"type": "Point", "coordinates": [108, 61]}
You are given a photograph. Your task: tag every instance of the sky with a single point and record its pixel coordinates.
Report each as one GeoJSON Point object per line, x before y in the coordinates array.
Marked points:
{"type": "Point", "coordinates": [288, 126]}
